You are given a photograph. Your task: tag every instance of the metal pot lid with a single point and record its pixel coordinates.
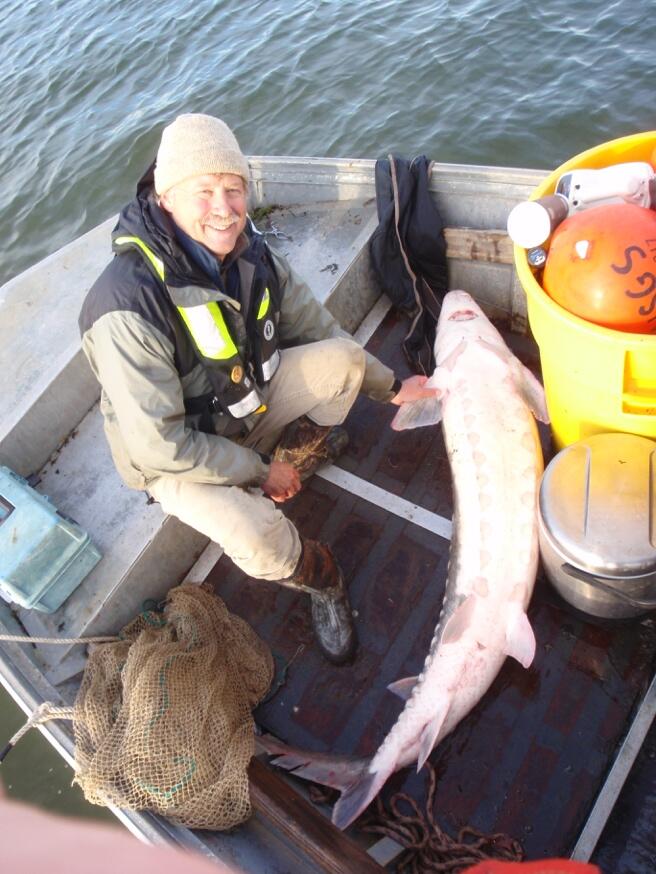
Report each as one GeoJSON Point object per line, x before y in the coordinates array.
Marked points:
{"type": "Point", "coordinates": [598, 504]}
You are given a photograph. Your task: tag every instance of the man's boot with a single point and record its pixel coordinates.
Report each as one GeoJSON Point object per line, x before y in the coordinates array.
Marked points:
{"type": "Point", "coordinates": [318, 574]}
{"type": "Point", "coordinates": [307, 446]}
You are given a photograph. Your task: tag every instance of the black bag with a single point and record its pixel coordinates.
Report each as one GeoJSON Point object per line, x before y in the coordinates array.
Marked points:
{"type": "Point", "coordinates": [408, 252]}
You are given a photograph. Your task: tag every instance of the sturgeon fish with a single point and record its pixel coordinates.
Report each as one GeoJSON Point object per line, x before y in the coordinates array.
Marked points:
{"type": "Point", "coordinates": [486, 400]}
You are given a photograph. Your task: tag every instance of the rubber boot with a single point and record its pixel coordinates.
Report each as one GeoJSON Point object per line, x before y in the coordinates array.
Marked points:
{"type": "Point", "coordinates": [307, 446]}
{"type": "Point", "coordinates": [318, 575]}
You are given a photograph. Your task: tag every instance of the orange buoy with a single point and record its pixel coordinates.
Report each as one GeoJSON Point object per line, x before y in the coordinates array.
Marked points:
{"type": "Point", "coordinates": [601, 266]}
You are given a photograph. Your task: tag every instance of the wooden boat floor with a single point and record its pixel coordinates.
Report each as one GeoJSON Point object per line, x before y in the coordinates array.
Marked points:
{"type": "Point", "coordinates": [531, 757]}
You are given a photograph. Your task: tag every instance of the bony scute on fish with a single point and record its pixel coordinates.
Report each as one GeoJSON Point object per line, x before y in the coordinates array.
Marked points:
{"type": "Point", "coordinates": [486, 400]}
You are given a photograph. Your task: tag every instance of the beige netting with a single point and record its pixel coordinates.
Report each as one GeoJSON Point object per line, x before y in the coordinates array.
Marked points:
{"type": "Point", "coordinates": [163, 718]}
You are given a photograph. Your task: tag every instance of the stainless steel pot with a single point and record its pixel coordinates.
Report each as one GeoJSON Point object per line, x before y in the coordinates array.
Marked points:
{"type": "Point", "coordinates": [597, 524]}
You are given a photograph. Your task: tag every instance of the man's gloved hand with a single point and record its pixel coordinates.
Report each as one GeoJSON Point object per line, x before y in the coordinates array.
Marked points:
{"type": "Point", "coordinates": [282, 483]}
{"type": "Point", "coordinates": [412, 389]}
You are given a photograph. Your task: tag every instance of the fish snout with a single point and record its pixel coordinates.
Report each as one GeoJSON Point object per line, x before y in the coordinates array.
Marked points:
{"type": "Point", "coordinates": [462, 316]}
{"type": "Point", "coordinates": [459, 306]}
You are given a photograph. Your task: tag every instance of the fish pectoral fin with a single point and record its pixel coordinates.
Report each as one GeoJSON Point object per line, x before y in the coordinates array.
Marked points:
{"type": "Point", "coordinates": [417, 414]}
{"type": "Point", "coordinates": [403, 688]}
{"type": "Point", "coordinates": [526, 383]}
{"type": "Point", "coordinates": [459, 621]}
{"type": "Point", "coordinates": [430, 733]}
{"type": "Point", "coordinates": [520, 639]}
{"type": "Point", "coordinates": [530, 389]}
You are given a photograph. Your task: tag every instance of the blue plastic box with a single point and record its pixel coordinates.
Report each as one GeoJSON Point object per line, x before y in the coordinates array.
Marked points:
{"type": "Point", "coordinates": [43, 555]}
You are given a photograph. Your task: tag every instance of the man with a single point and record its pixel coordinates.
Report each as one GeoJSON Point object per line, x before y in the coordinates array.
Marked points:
{"type": "Point", "coordinates": [207, 345]}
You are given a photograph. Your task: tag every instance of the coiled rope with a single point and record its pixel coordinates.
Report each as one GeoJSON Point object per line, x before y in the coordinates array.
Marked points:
{"type": "Point", "coordinates": [429, 849]}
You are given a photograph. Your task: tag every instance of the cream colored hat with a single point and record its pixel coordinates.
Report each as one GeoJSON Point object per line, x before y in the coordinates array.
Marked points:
{"type": "Point", "coordinates": [195, 144]}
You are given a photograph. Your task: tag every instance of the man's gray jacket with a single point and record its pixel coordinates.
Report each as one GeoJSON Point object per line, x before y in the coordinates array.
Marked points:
{"type": "Point", "coordinates": [148, 369]}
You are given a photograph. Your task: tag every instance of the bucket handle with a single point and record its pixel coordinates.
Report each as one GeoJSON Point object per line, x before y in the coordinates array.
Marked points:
{"type": "Point", "coordinates": [597, 583]}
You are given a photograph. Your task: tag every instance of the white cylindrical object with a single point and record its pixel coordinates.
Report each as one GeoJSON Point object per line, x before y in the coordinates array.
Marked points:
{"type": "Point", "coordinates": [532, 222]}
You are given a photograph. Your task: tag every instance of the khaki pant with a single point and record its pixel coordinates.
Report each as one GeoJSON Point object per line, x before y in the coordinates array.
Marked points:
{"type": "Point", "coordinates": [320, 380]}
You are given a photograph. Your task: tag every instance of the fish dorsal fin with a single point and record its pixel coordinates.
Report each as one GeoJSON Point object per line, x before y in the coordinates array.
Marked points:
{"type": "Point", "coordinates": [417, 414]}
{"type": "Point", "coordinates": [459, 621]}
{"type": "Point", "coordinates": [403, 688]}
{"type": "Point", "coordinates": [530, 389]}
{"type": "Point", "coordinates": [431, 732]}
{"type": "Point", "coordinates": [520, 640]}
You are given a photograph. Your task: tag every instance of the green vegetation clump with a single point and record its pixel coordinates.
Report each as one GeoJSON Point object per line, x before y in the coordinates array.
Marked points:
{"type": "Point", "coordinates": [261, 212]}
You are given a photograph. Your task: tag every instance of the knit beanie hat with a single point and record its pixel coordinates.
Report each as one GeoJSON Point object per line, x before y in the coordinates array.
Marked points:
{"type": "Point", "coordinates": [195, 144]}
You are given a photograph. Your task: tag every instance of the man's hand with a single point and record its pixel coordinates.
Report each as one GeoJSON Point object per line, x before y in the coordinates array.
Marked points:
{"type": "Point", "coordinates": [412, 389]}
{"type": "Point", "coordinates": [282, 483]}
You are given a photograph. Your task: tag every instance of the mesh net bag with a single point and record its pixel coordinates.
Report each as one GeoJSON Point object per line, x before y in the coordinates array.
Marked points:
{"type": "Point", "coordinates": [163, 720]}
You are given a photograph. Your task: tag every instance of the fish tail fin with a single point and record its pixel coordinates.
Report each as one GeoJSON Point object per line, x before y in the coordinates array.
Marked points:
{"type": "Point", "coordinates": [358, 796]}
{"type": "Point", "coordinates": [338, 772]}
{"type": "Point", "coordinates": [351, 776]}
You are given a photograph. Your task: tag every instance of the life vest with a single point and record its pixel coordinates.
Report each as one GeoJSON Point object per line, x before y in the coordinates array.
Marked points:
{"type": "Point", "coordinates": [237, 347]}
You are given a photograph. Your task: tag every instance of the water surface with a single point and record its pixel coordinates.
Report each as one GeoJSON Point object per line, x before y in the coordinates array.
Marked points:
{"type": "Point", "coordinates": [86, 89]}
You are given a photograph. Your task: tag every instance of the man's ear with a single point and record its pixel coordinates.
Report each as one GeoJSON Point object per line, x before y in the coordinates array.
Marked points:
{"type": "Point", "coordinates": [166, 201]}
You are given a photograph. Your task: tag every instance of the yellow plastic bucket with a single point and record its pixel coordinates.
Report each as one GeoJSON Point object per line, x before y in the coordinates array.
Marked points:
{"type": "Point", "coordinates": [596, 379]}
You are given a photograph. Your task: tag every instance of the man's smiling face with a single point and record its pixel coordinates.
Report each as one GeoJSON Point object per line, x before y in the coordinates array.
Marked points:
{"type": "Point", "coordinates": [211, 209]}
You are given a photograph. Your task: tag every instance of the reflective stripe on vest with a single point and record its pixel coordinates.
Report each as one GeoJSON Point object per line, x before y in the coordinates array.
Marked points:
{"type": "Point", "coordinates": [270, 366]}
{"type": "Point", "coordinates": [264, 305]}
{"type": "Point", "coordinates": [208, 328]}
{"type": "Point", "coordinates": [157, 263]}
{"type": "Point", "coordinates": [252, 403]}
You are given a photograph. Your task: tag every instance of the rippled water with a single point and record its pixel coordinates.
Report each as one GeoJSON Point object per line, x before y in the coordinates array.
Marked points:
{"type": "Point", "coordinates": [85, 88]}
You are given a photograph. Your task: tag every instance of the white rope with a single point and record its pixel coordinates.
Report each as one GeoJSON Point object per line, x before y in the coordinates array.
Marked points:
{"type": "Point", "coordinates": [43, 713]}
{"type": "Point", "coordinates": [24, 638]}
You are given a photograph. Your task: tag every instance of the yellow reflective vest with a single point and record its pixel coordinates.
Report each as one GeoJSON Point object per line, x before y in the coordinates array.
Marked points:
{"type": "Point", "coordinates": [238, 349]}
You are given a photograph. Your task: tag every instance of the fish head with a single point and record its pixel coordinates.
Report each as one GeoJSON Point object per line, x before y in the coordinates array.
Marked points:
{"type": "Point", "coordinates": [462, 319]}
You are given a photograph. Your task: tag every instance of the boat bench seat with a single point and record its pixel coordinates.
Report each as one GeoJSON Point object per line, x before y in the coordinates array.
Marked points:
{"type": "Point", "coordinates": [144, 552]}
